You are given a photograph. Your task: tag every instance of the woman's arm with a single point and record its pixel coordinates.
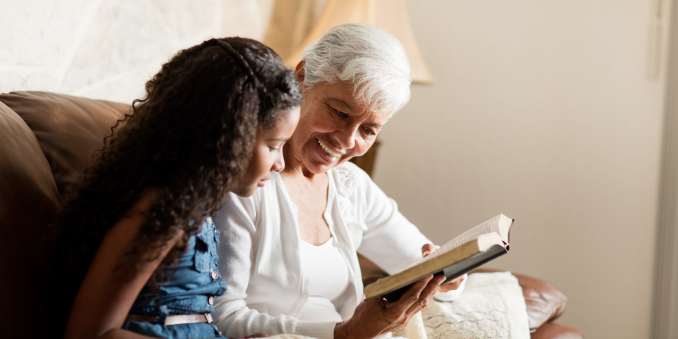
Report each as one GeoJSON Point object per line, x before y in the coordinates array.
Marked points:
{"type": "Point", "coordinates": [388, 229]}
{"type": "Point", "coordinates": [108, 290]}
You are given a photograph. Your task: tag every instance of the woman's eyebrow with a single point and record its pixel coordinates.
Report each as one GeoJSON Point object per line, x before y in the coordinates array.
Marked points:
{"type": "Point", "coordinates": [374, 125]}
{"type": "Point", "coordinates": [343, 105]}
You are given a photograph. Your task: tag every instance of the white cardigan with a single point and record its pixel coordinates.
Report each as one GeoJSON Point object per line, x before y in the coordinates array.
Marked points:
{"type": "Point", "coordinates": [260, 260]}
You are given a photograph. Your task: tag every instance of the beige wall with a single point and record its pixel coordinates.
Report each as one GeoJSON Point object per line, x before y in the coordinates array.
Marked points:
{"type": "Point", "coordinates": [542, 110]}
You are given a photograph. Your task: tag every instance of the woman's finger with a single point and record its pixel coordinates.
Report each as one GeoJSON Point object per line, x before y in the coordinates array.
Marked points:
{"type": "Point", "coordinates": [432, 286]}
{"type": "Point", "coordinates": [395, 325]}
{"type": "Point", "coordinates": [427, 249]}
{"type": "Point", "coordinates": [448, 287]}
{"type": "Point", "coordinates": [415, 308]}
{"type": "Point", "coordinates": [426, 294]}
{"type": "Point", "coordinates": [411, 296]}
{"type": "Point", "coordinates": [406, 317]}
{"type": "Point", "coordinates": [452, 285]}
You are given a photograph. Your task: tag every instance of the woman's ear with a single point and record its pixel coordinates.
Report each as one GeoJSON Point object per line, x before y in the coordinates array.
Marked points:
{"type": "Point", "coordinates": [299, 72]}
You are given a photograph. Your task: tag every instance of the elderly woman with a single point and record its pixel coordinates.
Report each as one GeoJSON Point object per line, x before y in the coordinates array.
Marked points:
{"type": "Point", "coordinates": [291, 249]}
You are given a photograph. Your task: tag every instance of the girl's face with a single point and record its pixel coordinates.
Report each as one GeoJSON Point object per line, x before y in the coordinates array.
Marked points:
{"type": "Point", "coordinates": [268, 152]}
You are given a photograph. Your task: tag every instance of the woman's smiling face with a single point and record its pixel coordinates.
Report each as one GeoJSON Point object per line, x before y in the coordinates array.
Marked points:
{"type": "Point", "coordinates": [333, 128]}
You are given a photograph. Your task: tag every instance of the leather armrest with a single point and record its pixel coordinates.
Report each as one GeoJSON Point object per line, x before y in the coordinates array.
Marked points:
{"type": "Point", "coordinates": [555, 330]}
{"type": "Point", "coordinates": [544, 302]}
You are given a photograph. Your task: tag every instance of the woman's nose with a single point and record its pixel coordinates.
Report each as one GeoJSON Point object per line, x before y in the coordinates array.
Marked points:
{"type": "Point", "coordinates": [346, 138]}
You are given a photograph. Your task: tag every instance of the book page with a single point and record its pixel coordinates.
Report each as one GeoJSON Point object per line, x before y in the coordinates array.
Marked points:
{"type": "Point", "coordinates": [499, 224]}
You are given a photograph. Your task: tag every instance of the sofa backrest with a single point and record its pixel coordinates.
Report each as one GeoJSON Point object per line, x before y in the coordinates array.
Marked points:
{"type": "Point", "coordinates": [69, 129]}
{"type": "Point", "coordinates": [46, 141]}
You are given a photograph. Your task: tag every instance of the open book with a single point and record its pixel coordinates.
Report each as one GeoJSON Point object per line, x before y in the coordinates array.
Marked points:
{"type": "Point", "coordinates": [469, 250]}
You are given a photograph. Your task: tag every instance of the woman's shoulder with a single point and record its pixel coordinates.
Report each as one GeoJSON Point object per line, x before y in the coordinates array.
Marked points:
{"type": "Point", "coordinates": [348, 177]}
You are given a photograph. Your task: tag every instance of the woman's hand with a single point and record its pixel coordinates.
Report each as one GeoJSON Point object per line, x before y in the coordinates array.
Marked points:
{"type": "Point", "coordinates": [426, 250]}
{"type": "Point", "coordinates": [374, 316]}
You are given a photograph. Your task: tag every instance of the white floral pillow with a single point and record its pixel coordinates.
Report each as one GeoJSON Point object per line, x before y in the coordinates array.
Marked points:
{"type": "Point", "coordinates": [491, 306]}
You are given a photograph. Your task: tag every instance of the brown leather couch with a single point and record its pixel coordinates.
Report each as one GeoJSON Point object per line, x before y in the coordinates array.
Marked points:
{"type": "Point", "coordinates": [46, 140]}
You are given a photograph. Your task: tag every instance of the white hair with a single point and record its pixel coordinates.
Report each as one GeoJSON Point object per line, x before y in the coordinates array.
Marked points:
{"type": "Point", "coordinates": [372, 59]}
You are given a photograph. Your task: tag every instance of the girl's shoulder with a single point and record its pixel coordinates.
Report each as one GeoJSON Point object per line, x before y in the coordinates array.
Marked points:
{"type": "Point", "coordinates": [144, 203]}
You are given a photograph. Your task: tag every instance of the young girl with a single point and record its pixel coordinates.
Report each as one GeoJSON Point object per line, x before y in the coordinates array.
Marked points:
{"type": "Point", "coordinates": [138, 249]}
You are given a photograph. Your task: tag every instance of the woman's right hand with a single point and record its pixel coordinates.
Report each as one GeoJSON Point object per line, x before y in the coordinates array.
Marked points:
{"type": "Point", "coordinates": [374, 317]}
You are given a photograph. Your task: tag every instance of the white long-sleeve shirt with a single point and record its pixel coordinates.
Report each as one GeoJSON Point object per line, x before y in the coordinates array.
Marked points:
{"type": "Point", "coordinates": [260, 252]}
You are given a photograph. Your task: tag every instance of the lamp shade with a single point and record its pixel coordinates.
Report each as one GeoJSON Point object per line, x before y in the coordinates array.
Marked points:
{"type": "Point", "coordinates": [292, 27]}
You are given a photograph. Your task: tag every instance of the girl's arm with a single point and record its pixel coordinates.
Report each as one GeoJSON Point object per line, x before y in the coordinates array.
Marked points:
{"type": "Point", "coordinates": [109, 290]}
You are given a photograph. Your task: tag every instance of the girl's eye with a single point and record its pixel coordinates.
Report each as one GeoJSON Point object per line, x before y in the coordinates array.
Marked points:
{"type": "Point", "coordinates": [275, 147]}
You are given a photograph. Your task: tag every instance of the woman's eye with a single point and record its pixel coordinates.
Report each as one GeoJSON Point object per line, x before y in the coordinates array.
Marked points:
{"type": "Point", "coordinates": [340, 114]}
{"type": "Point", "coordinates": [369, 132]}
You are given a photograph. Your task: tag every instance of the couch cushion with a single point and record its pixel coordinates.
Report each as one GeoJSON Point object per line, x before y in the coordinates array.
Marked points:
{"type": "Point", "coordinates": [28, 203]}
{"type": "Point", "coordinates": [69, 129]}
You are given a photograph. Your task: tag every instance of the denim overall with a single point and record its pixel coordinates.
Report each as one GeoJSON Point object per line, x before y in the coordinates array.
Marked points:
{"type": "Point", "coordinates": [189, 287]}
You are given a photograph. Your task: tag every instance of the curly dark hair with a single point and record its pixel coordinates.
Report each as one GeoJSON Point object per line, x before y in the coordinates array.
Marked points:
{"type": "Point", "coordinates": [190, 139]}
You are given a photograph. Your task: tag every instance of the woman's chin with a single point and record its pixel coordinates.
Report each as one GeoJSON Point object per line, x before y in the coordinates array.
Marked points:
{"type": "Point", "coordinates": [317, 166]}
